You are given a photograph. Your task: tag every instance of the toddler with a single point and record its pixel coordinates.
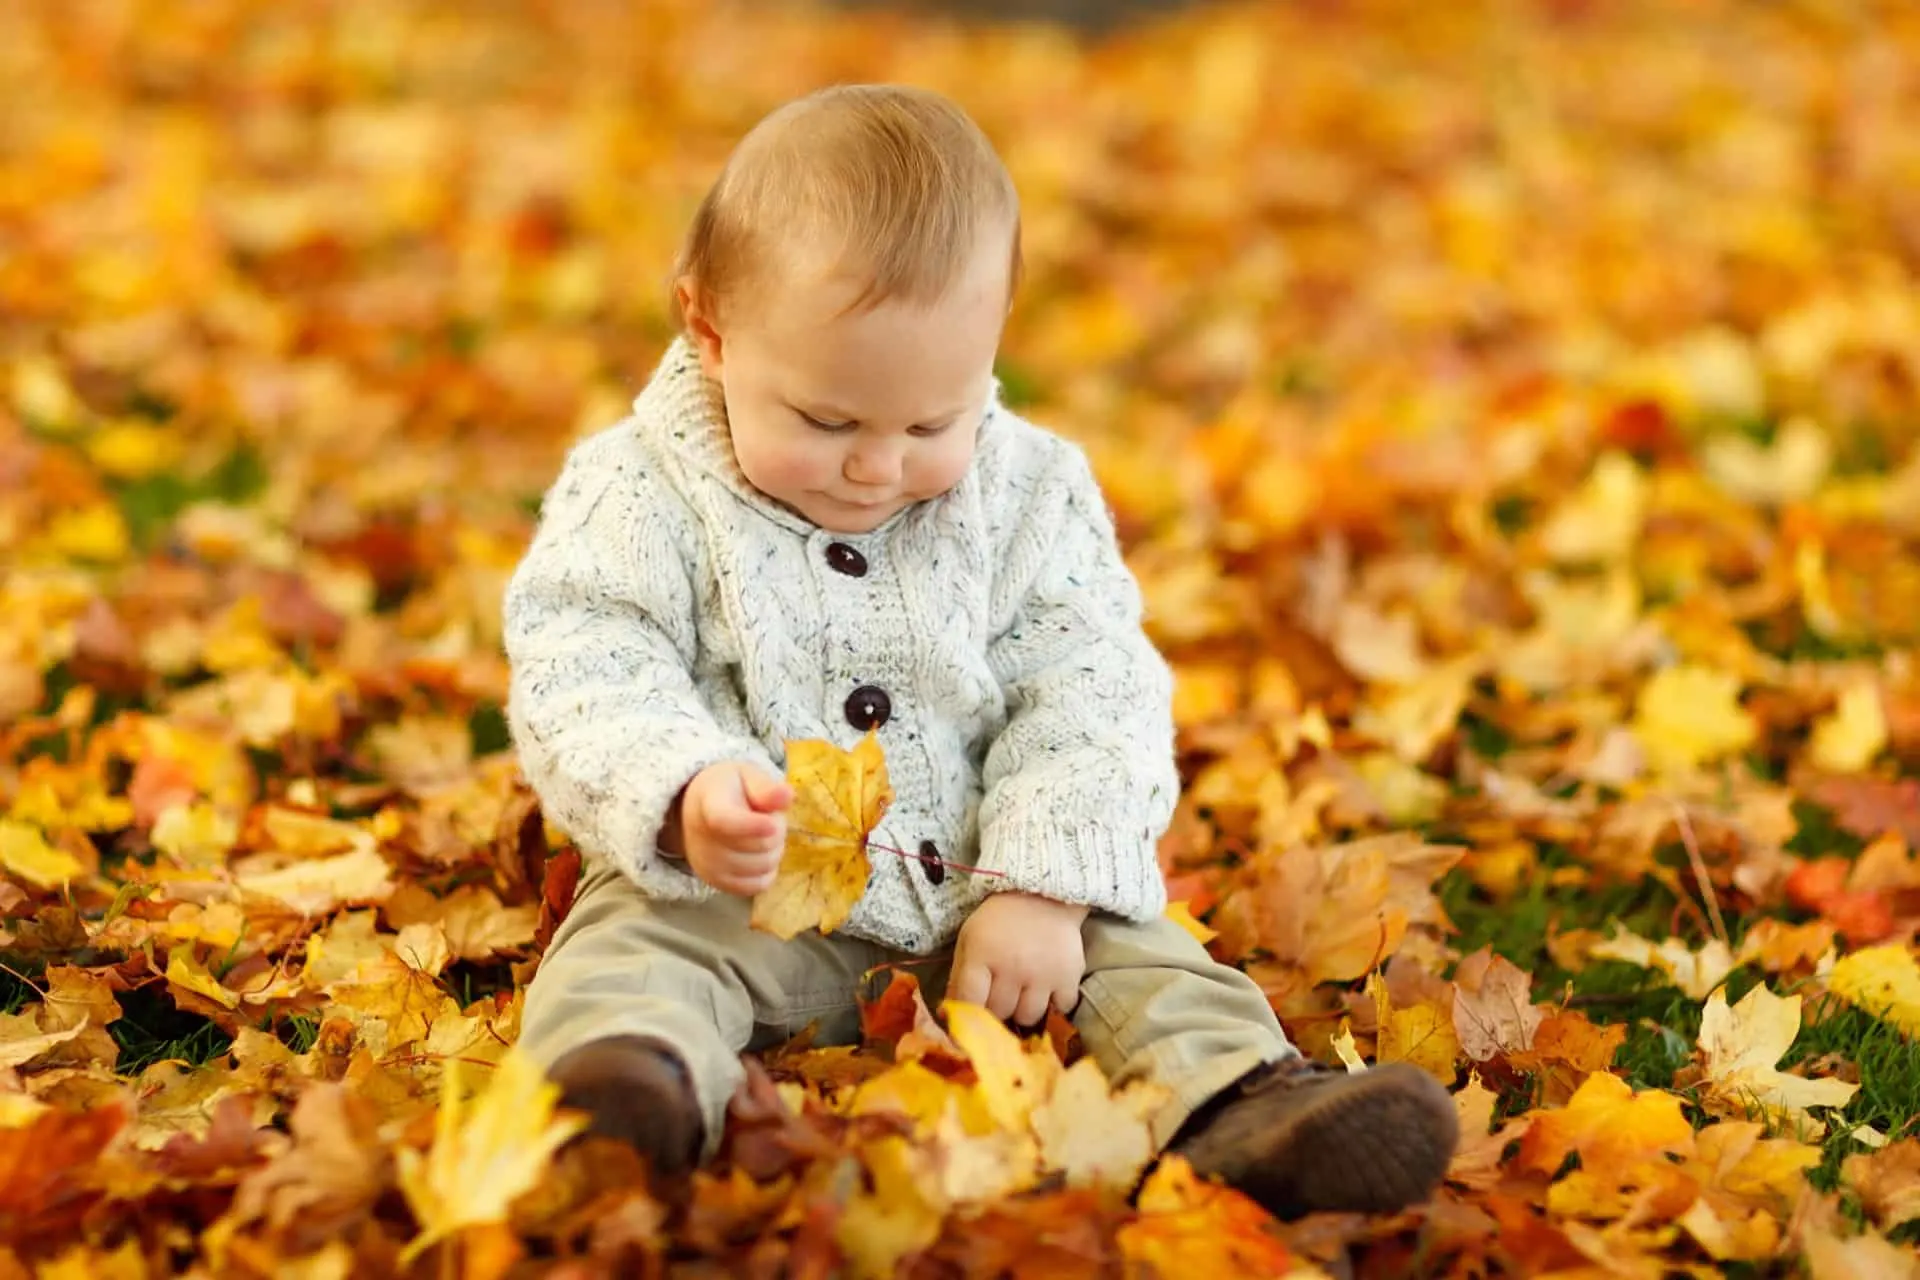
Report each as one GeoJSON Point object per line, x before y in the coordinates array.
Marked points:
{"type": "Point", "coordinates": [818, 521]}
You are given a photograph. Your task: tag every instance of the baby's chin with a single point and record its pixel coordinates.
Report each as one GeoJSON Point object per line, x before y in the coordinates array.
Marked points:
{"type": "Point", "coordinates": [841, 520]}
{"type": "Point", "coordinates": [843, 517]}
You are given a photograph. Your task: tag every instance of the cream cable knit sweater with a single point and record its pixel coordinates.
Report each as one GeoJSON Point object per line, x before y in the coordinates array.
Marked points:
{"type": "Point", "coordinates": [668, 615]}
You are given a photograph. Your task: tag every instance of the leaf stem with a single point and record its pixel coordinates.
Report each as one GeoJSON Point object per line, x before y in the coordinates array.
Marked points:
{"type": "Point", "coordinates": [902, 853]}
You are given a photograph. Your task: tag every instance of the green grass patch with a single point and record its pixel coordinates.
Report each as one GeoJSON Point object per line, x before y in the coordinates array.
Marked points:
{"type": "Point", "coordinates": [1018, 385]}
{"type": "Point", "coordinates": [487, 729]}
{"type": "Point", "coordinates": [1889, 1067]}
{"type": "Point", "coordinates": [150, 504]}
{"type": "Point", "coordinates": [152, 1029]}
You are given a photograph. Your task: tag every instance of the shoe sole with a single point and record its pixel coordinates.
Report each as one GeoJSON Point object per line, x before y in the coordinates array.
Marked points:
{"type": "Point", "coordinates": [1380, 1144]}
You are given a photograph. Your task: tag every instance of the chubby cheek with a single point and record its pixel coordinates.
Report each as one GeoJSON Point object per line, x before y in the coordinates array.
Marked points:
{"type": "Point", "coordinates": [934, 471]}
{"type": "Point", "coordinates": [777, 463]}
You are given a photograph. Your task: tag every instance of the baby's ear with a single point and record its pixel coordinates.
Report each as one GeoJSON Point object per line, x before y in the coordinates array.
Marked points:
{"type": "Point", "coordinates": [697, 316]}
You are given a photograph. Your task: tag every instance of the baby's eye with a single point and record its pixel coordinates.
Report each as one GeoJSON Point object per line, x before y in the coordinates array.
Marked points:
{"type": "Point", "coordinates": [932, 429]}
{"type": "Point", "coordinates": [818, 425]}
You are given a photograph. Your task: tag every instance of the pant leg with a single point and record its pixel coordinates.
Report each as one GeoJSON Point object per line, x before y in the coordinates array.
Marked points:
{"type": "Point", "coordinates": [693, 974]}
{"type": "Point", "coordinates": [1155, 1006]}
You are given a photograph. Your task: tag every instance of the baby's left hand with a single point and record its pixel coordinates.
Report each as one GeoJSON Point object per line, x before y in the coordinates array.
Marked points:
{"type": "Point", "coordinates": [1016, 954]}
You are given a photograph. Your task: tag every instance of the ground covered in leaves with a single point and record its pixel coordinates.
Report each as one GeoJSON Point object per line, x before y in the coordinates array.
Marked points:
{"type": "Point", "coordinates": [1510, 409]}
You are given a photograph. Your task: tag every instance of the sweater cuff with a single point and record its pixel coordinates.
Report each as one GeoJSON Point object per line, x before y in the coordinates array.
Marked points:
{"type": "Point", "coordinates": [1088, 864]}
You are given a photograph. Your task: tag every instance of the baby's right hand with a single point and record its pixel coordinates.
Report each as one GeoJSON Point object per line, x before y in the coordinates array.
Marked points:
{"type": "Point", "coordinates": [733, 826]}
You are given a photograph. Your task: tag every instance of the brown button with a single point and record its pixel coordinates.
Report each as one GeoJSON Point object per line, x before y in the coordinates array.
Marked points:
{"type": "Point", "coordinates": [842, 558]}
{"type": "Point", "coordinates": [930, 862]}
{"type": "Point", "coordinates": [868, 707]}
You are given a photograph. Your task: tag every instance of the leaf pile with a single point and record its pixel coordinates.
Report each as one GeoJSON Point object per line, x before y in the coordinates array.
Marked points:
{"type": "Point", "coordinates": [1510, 410]}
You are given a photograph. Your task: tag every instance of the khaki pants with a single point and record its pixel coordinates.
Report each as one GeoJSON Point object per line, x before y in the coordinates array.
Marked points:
{"type": "Point", "coordinates": [1153, 1005]}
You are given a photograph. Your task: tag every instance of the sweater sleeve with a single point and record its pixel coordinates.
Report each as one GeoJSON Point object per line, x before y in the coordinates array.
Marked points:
{"type": "Point", "coordinates": [1081, 783]}
{"type": "Point", "coordinates": [600, 636]}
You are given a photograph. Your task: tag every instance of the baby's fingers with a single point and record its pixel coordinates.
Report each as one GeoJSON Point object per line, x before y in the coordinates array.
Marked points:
{"type": "Point", "coordinates": [744, 831]}
{"type": "Point", "coordinates": [1030, 1010]}
{"type": "Point", "coordinates": [744, 874]}
{"type": "Point", "coordinates": [971, 983]}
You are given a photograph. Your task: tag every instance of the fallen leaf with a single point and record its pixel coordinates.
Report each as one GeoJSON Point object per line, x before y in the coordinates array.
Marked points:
{"type": "Point", "coordinates": [45, 1168]}
{"type": "Point", "coordinates": [317, 885]}
{"type": "Point", "coordinates": [1884, 981]}
{"type": "Point", "coordinates": [484, 1153]}
{"type": "Point", "coordinates": [1867, 1256]}
{"type": "Point", "coordinates": [26, 856]}
{"type": "Point", "coordinates": [1421, 1033]}
{"type": "Point", "coordinates": [897, 1215]}
{"type": "Point", "coordinates": [900, 1017]}
{"type": "Point", "coordinates": [1848, 740]}
{"type": "Point", "coordinates": [326, 1181]}
{"type": "Point", "coordinates": [1749, 1186]}
{"type": "Point", "coordinates": [1008, 1074]}
{"type": "Point", "coordinates": [1180, 914]}
{"type": "Point", "coordinates": [1741, 1044]}
{"type": "Point", "coordinates": [838, 799]}
{"type": "Point", "coordinates": [1190, 1227]}
{"type": "Point", "coordinates": [1690, 715]}
{"type": "Point", "coordinates": [1696, 972]}
{"type": "Point", "coordinates": [1476, 1161]}
{"type": "Point", "coordinates": [188, 974]}
{"type": "Point", "coordinates": [1095, 1136]}
{"type": "Point", "coordinates": [1887, 1182]}
{"type": "Point", "coordinates": [1608, 1125]}
{"type": "Point", "coordinates": [1869, 807]}
{"type": "Point", "coordinates": [1493, 1009]}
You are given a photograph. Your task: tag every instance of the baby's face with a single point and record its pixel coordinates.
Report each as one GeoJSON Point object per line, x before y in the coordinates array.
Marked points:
{"type": "Point", "coordinates": [849, 419]}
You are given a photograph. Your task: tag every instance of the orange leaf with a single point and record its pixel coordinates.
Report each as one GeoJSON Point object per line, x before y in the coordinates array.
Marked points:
{"type": "Point", "coordinates": [1188, 1227]}
{"type": "Point", "coordinates": [1607, 1124]}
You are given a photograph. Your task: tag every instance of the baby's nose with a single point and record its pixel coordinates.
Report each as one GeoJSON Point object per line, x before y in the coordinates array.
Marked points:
{"type": "Point", "coordinates": [874, 464]}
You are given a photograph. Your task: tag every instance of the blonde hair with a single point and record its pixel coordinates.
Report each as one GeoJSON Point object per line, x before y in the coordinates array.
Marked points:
{"type": "Point", "coordinates": [891, 180]}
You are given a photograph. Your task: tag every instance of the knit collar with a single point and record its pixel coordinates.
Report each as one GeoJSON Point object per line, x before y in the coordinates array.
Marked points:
{"type": "Point", "coordinates": [687, 412]}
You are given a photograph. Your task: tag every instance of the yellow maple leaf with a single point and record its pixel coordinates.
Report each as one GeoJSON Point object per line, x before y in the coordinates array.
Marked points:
{"type": "Point", "coordinates": [485, 1152]}
{"type": "Point", "coordinates": [187, 973]}
{"type": "Point", "coordinates": [1600, 520]}
{"type": "Point", "coordinates": [1609, 1125]}
{"type": "Point", "coordinates": [26, 856]}
{"type": "Point", "coordinates": [1009, 1077]}
{"type": "Point", "coordinates": [1688, 715]}
{"type": "Point", "coordinates": [1788, 470]}
{"type": "Point", "coordinates": [1094, 1135]}
{"type": "Point", "coordinates": [130, 449]}
{"type": "Point", "coordinates": [910, 1089]}
{"type": "Point", "coordinates": [1847, 740]}
{"type": "Point", "coordinates": [315, 886]}
{"type": "Point", "coordinates": [899, 1216]}
{"type": "Point", "coordinates": [95, 532]}
{"type": "Point", "coordinates": [176, 1099]}
{"type": "Point", "coordinates": [195, 835]}
{"type": "Point", "coordinates": [1697, 973]}
{"type": "Point", "coordinates": [838, 798]}
{"type": "Point", "coordinates": [1749, 1185]}
{"type": "Point", "coordinates": [1741, 1045]}
{"type": "Point", "coordinates": [1422, 1033]}
{"type": "Point", "coordinates": [23, 1038]}
{"type": "Point", "coordinates": [1884, 981]}
{"type": "Point", "coordinates": [1190, 1227]}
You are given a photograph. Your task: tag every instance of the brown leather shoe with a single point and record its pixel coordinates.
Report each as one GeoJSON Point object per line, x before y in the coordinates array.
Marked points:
{"type": "Point", "coordinates": [1299, 1137]}
{"type": "Point", "coordinates": [637, 1090]}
